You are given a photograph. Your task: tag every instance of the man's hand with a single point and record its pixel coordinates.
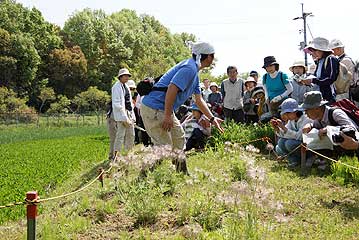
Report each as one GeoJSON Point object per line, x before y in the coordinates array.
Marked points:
{"type": "Point", "coordinates": [349, 143]}
{"type": "Point", "coordinates": [307, 128]}
{"type": "Point", "coordinates": [167, 123]}
{"type": "Point", "coordinates": [126, 124]}
{"type": "Point", "coordinates": [322, 132]}
{"type": "Point", "coordinates": [217, 123]}
{"type": "Point", "coordinates": [306, 81]}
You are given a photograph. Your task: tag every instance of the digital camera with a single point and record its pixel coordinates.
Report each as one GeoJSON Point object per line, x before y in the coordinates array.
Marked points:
{"type": "Point", "coordinates": [347, 131]}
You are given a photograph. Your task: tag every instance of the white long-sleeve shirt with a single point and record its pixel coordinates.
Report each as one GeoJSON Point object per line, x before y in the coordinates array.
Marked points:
{"type": "Point", "coordinates": [118, 102]}
{"type": "Point", "coordinates": [295, 128]}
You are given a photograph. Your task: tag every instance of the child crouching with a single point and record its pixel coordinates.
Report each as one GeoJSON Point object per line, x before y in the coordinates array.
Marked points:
{"type": "Point", "coordinates": [197, 128]}
{"type": "Point", "coordinates": [290, 134]}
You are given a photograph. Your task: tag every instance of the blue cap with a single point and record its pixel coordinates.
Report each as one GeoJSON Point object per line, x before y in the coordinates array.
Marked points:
{"type": "Point", "coordinates": [288, 106]}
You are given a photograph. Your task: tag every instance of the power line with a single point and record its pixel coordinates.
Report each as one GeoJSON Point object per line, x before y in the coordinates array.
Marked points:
{"type": "Point", "coordinates": [310, 31]}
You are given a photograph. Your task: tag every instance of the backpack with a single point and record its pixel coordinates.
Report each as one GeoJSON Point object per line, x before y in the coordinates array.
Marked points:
{"type": "Point", "coordinates": [348, 107]}
{"type": "Point", "coordinates": [266, 76]}
{"type": "Point", "coordinates": [145, 86]}
{"type": "Point", "coordinates": [344, 78]}
{"type": "Point", "coordinates": [354, 90]}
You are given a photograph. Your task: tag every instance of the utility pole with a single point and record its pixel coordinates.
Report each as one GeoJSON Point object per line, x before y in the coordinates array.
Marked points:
{"type": "Point", "coordinates": [304, 44]}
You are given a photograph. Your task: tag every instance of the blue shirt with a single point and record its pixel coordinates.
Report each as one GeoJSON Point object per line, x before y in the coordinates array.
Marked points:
{"type": "Point", "coordinates": [275, 86]}
{"type": "Point", "coordinates": [185, 76]}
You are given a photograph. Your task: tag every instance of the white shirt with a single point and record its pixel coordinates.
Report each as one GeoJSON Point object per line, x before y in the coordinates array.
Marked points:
{"type": "Point", "coordinates": [118, 102]}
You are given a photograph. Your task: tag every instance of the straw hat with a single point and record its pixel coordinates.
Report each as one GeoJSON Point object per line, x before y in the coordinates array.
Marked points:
{"type": "Point", "coordinates": [298, 64]}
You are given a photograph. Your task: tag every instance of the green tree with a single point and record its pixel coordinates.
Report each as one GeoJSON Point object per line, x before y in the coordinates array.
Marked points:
{"type": "Point", "coordinates": [94, 100]}
{"type": "Point", "coordinates": [67, 71]}
{"type": "Point", "coordinates": [124, 39]}
{"type": "Point", "coordinates": [99, 42]}
{"type": "Point", "coordinates": [26, 27]}
{"type": "Point", "coordinates": [46, 94]}
{"type": "Point", "coordinates": [28, 60]}
{"type": "Point", "coordinates": [12, 107]}
{"type": "Point", "coordinates": [61, 106]}
{"type": "Point", "coordinates": [7, 61]}
{"type": "Point", "coordinates": [17, 19]}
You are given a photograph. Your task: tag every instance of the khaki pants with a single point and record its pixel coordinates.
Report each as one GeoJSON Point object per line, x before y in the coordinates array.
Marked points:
{"type": "Point", "coordinates": [121, 137]}
{"type": "Point", "coordinates": [152, 120]}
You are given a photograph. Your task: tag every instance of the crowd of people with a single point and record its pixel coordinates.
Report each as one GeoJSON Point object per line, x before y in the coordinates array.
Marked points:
{"type": "Point", "coordinates": [178, 109]}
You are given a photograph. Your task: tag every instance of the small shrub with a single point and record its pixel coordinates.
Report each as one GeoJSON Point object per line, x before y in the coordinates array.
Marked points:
{"type": "Point", "coordinates": [165, 178]}
{"type": "Point", "coordinates": [202, 209]}
{"type": "Point", "coordinates": [238, 170]}
{"type": "Point", "coordinates": [241, 227]}
{"type": "Point", "coordinates": [344, 174]}
{"type": "Point", "coordinates": [143, 203]}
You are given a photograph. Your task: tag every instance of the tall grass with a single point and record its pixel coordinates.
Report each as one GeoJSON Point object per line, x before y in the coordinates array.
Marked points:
{"type": "Point", "coordinates": [240, 133]}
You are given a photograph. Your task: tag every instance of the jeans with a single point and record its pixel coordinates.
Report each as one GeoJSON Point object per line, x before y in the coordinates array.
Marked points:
{"type": "Point", "coordinates": [285, 146]}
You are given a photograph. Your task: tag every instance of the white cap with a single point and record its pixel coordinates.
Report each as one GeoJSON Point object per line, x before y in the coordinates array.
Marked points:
{"type": "Point", "coordinates": [213, 84]}
{"type": "Point", "coordinates": [336, 43]}
{"type": "Point", "coordinates": [131, 84]}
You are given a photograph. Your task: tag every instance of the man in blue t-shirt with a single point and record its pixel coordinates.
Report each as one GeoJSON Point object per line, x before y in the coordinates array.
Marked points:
{"type": "Point", "coordinates": [170, 92]}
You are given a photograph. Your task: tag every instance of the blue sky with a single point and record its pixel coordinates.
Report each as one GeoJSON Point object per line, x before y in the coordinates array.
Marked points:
{"type": "Point", "coordinates": [242, 32]}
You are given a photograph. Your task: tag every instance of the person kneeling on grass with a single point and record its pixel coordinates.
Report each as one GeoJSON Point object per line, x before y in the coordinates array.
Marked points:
{"type": "Point", "coordinates": [290, 134]}
{"type": "Point", "coordinates": [197, 128]}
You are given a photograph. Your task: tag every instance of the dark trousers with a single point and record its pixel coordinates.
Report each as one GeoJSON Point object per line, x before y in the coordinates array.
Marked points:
{"type": "Point", "coordinates": [141, 136]}
{"type": "Point", "coordinates": [235, 115]}
{"type": "Point", "coordinates": [197, 140]}
{"type": "Point", "coordinates": [251, 118]}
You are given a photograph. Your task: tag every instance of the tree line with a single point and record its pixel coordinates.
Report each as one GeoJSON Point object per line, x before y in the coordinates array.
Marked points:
{"type": "Point", "coordinates": [48, 68]}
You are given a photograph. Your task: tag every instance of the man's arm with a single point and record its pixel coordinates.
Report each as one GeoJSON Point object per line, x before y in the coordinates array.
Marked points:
{"type": "Point", "coordinates": [222, 90]}
{"type": "Point", "coordinates": [205, 110]}
{"type": "Point", "coordinates": [171, 94]}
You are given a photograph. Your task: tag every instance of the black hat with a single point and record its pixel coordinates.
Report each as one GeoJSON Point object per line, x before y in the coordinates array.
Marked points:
{"type": "Point", "coordinates": [253, 73]}
{"type": "Point", "coordinates": [270, 60]}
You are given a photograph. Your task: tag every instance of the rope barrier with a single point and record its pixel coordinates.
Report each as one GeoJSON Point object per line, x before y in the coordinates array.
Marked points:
{"type": "Point", "coordinates": [328, 158]}
{"type": "Point", "coordinates": [13, 204]}
{"type": "Point", "coordinates": [264, 139]}
{"type": "Point", "coordinates": [79, 190]}
{"type": "Point", "coordinates": [36, 201]}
